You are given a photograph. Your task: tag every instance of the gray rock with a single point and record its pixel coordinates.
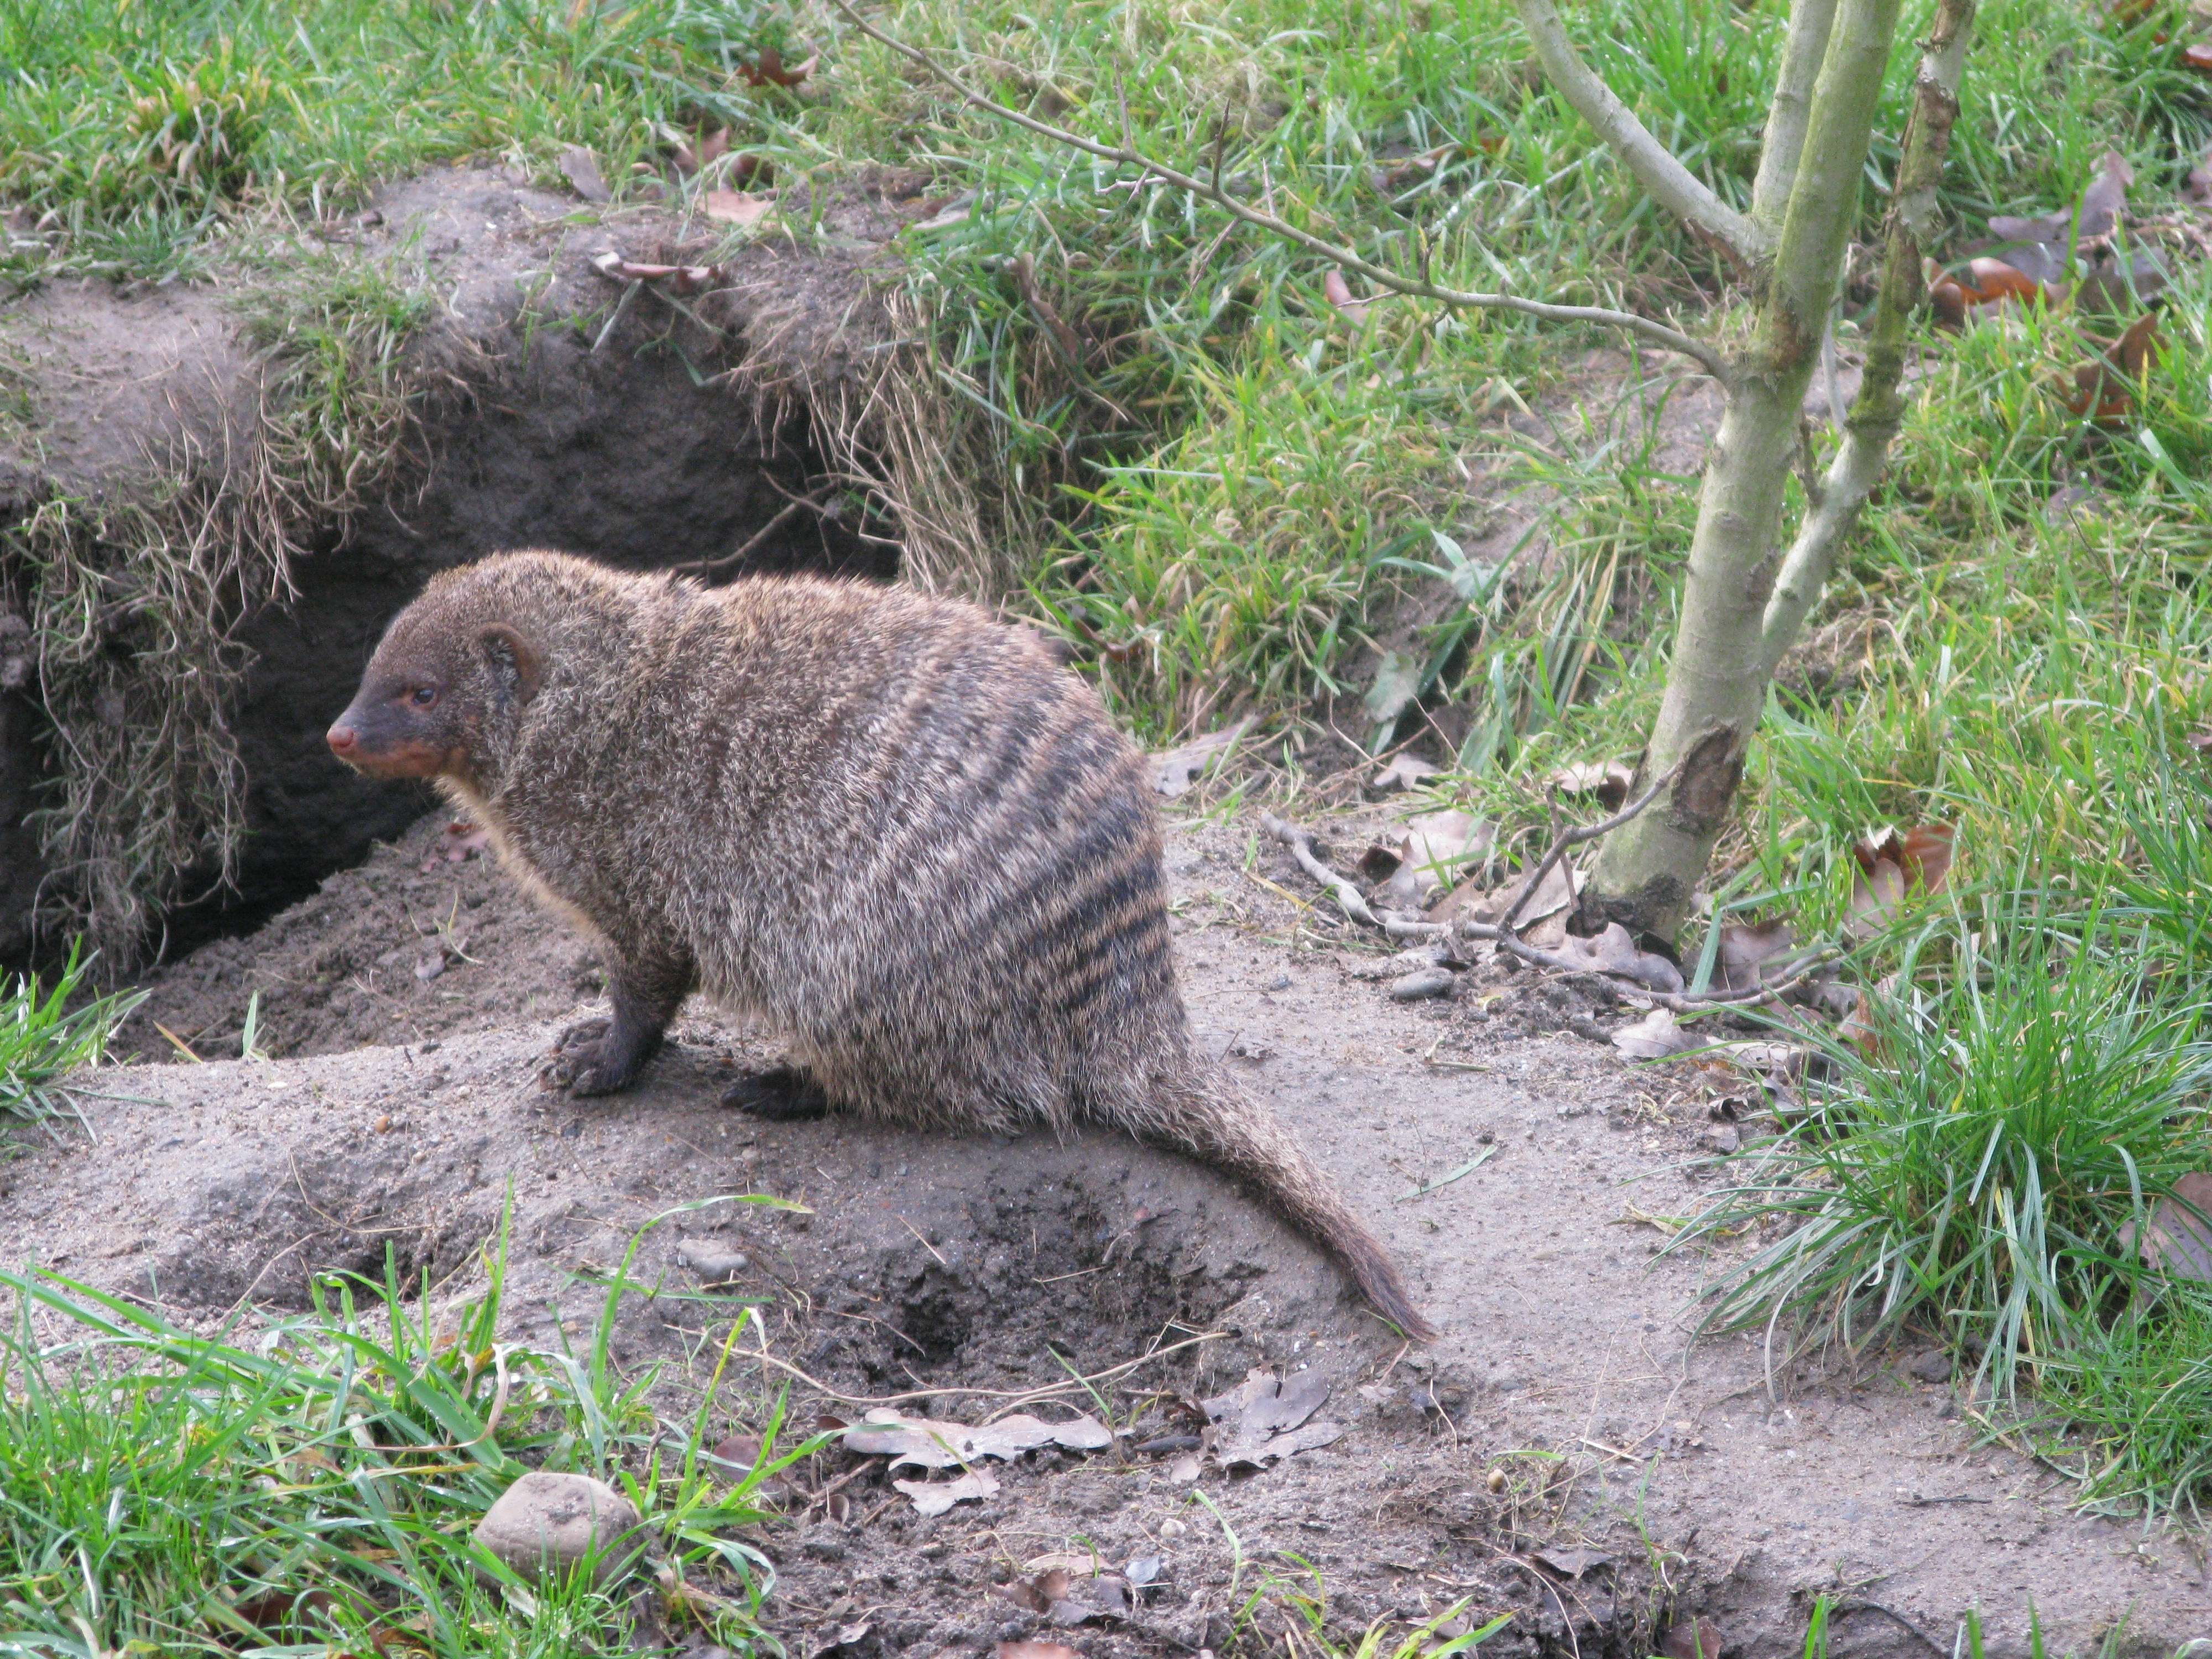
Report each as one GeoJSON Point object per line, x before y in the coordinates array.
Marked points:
{"type": "Point", "coordinates": [1428, 982]}
{"type": "Point", "coordinates": [1934, 1366]}
{"type": "Point", "coordinates": [544, 1525]}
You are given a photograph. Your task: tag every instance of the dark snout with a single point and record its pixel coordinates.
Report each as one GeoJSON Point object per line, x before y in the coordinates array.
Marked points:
{"type": "Point", "coordinates": [382, 739]}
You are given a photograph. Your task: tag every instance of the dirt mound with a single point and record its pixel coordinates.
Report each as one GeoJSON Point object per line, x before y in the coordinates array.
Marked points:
{"type": "Point", "coordinates": [1565, 1409]}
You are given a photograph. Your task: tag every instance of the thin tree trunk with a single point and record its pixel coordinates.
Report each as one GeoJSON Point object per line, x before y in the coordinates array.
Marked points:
{"type": "Point", "coordinates": [1717, 677]}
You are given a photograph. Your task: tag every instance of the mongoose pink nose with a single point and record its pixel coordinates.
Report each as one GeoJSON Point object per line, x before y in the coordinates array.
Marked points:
{"type": "Point", "coordinates": [341, 740]}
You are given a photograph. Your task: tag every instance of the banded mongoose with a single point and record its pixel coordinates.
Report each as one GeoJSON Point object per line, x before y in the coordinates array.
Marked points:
{"type": "Point", "coordinates": [896, 831]}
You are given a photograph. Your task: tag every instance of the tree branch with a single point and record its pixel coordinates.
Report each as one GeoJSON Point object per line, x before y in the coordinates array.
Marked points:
{"type": "Point", "coordinates": [1878, 409]}
{"type": "Point", "coordinates": [1810, 21]}
{"type": "Point", "coordinates": [1658, 334]}
{"type": "Point", "coordinates": [1673, 186]}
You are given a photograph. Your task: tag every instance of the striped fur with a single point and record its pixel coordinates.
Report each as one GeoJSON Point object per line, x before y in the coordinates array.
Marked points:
{"type": "Point", "coordinates": [895, 832]}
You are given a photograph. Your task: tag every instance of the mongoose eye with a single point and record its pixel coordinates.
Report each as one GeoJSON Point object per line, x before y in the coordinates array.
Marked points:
{"type": "Point", "coordinates": [425, 695]}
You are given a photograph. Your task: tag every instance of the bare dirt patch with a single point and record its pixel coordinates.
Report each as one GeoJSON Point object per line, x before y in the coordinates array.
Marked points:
{"type": "Point", "coordinates": [1564, 1409]}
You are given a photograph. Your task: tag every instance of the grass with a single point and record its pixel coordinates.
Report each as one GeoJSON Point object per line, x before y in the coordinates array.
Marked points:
{"type": "Point", "coordinates": [47, 1033]}
{"type": "Point", "coordinates": [163, 1491]}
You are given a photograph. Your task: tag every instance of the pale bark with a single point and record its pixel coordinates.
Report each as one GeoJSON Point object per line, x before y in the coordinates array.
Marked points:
{"type": "Point", "coordinates": [1878, 409]}
{"type": "Point", "coordinates": [1670, 184]}
{"type": "Point", "coordinates": [1717, 677]}
{"type": "Point", "coordinates": [1810, 21]}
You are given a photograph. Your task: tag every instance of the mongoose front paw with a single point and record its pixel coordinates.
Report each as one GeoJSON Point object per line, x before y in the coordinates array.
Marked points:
{"type": "Point", "coordinates": [582, 1064]}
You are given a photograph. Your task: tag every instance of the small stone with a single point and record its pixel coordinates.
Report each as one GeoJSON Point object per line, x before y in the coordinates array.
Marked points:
{"type": "Point", "coordinates": [712, 1263]}
{"type": "Point", "coordinates": [1416, 987]}
{"type": "Point", "coordinates": [1934, 1366]}
{"type": "Point", "coordinates": [1172, 1527]}
{"type": "Point", "coordinates": [1721, 1139]}
{"type": "Point", "coordinates": [545, 1525]}
{"type": "Point", "coordinates": [825, 1549]}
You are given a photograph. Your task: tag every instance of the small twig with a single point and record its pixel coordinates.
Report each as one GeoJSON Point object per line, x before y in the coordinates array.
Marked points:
{"type": "Point", "coordinates": [1575, 835]}
{"type": "Point", "coordinates": [701, 566]}
{"type": "Point", "coordinates": [926, 1244]}
{"type": "Point", "coordinates": [1128, 155]}
{"type": "Point", "coordinates": [1301, 844]}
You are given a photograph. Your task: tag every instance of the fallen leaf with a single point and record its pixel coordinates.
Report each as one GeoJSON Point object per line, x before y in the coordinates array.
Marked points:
{"type": "Point", "coordinates": [770, 71]}
{"type": "Point", "coordinates": [2104, 390]}
{"type": "Point", "coordinates": [1606, 781]}
{"type": "Point", "coordinates": [1692, 1638]}
{"type": "Point", "coordinates": [933, 1445]}
{"type": "Point", "coordinates": [1404, 772]}
{"type": "Point", "coordinates": [1183, 1471]}
{"type": "Point", "coordinates": [1655, 1036]}
{"type": "Point", "coordinates": [1064, 1563]}
{"type": "Point", "coordinates": [1264, 1418]}
{"type": "Point", "coordinates": [1144, 1569]}
{"type": "Point", "coordinates": [1397, 682]}
{"type": "Point", "coordinates": [1339, 293]}
{"type": "Point", "coordinates": [583, 172]}
{"type": "Point", "coordinates": [1556, 892]}
{"type": "Point", "coordinates": [1745, 953]}
{"type": "Point", "coordinates": [735, 207]}
{"type": "Point", "coordinates": [1615, 951]}
{"type": "Point", "coordinates": [1893, 867]}
{"type": "Point", "coordinates": [936, 1497]}
{"type": "Point", "coordinates": [1179, 768]}
{"type": "Point", "coordinates": [1427, 855]}
{"type": "Point", "coordinates": [2178, 1240]}
{"type": "Point", "coordinates": [2196, 56]}
{"type": "Point", "coordinates": [689, 159]}
{"type": "Point", "coordinates": [273, 1611]}
{"type": "Point", "coordinates": [1572, 1562]}
{"type": "Point", "coordinates": [1034, 1650]}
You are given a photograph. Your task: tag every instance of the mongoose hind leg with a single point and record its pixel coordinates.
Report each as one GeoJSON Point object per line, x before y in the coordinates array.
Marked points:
{"type": "Point", "coordinates": [599, 1056]}
{"type": "Point", "coordinates": [783, 1094]}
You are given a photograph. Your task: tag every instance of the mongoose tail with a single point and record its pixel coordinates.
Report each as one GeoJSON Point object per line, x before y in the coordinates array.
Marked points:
{"type": "Point", "coordinates": [1206, 1113]}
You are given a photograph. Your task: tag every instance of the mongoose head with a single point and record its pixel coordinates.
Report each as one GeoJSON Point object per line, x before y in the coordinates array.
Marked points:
{"type": "Point", "coordinates": [444, 691]}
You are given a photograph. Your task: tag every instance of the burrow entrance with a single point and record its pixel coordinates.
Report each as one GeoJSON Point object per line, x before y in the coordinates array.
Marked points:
{"type": "Point", "coordinates": [625, 461]}
{"type": "Point", "coordinates": [553, 403]}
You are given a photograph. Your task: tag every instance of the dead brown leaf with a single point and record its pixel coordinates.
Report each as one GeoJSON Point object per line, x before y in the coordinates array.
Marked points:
{"type": "Point", "coordinates": [1604, 782]}
{"type": "Point", "coordinates": [1894, 866]}
{"type": "Point", "coordinates": [769, 71]}
{"type": "Point", "coordinates": [936, 1497]}
{"type": "Point", "coordinates": [1614, 951]}
{"type": "Point", "coordinates": [1746, 953]}
{"type": "Point", "coordinates": [690, 158]}
{"type": "Point", "coordinates": [1181, 768]}
{"type": "Point", "coordinates": [933, 1443]}
{"type": "Point", "coordinates": [583, 172]}
{"type": "Point", "coordinates": [1035, 1651]}
{"type": "Point", "coordinates": [1655, 1036]}
{"type": "Point", "coordinates": [2103, 390]}
{"type": "Point", "coordinates": [1339, 293]}
{"type": "Point", "coordinates": [736, 207]}
{"type": "Point", "coordinates": [1692, 1638]}
{"type": "Point", "coordinates": [2178, 1240]}
{"type": "Point", "coordinates": [1404, 771]}
{"type": "Point", "coordinates": [1264, 1418]}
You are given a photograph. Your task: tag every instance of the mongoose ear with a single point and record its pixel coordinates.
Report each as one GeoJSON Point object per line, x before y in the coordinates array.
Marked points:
{"type": "Point", "coordinates": [511, 653]}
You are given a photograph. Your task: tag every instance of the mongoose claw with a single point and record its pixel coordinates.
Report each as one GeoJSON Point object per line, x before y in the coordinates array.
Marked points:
{"type": "Point", "coordinates": [582, 1064]}
{"type": "Point", "coordinates": [783, 1094]}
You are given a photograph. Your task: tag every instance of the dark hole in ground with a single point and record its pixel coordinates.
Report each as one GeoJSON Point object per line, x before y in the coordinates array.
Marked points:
{"type": "Point", "coordinates": [627, 462]}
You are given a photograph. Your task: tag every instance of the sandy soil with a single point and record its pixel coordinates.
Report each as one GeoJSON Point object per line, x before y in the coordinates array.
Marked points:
{"type": "Point", "coordinates": [412, 1002]}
